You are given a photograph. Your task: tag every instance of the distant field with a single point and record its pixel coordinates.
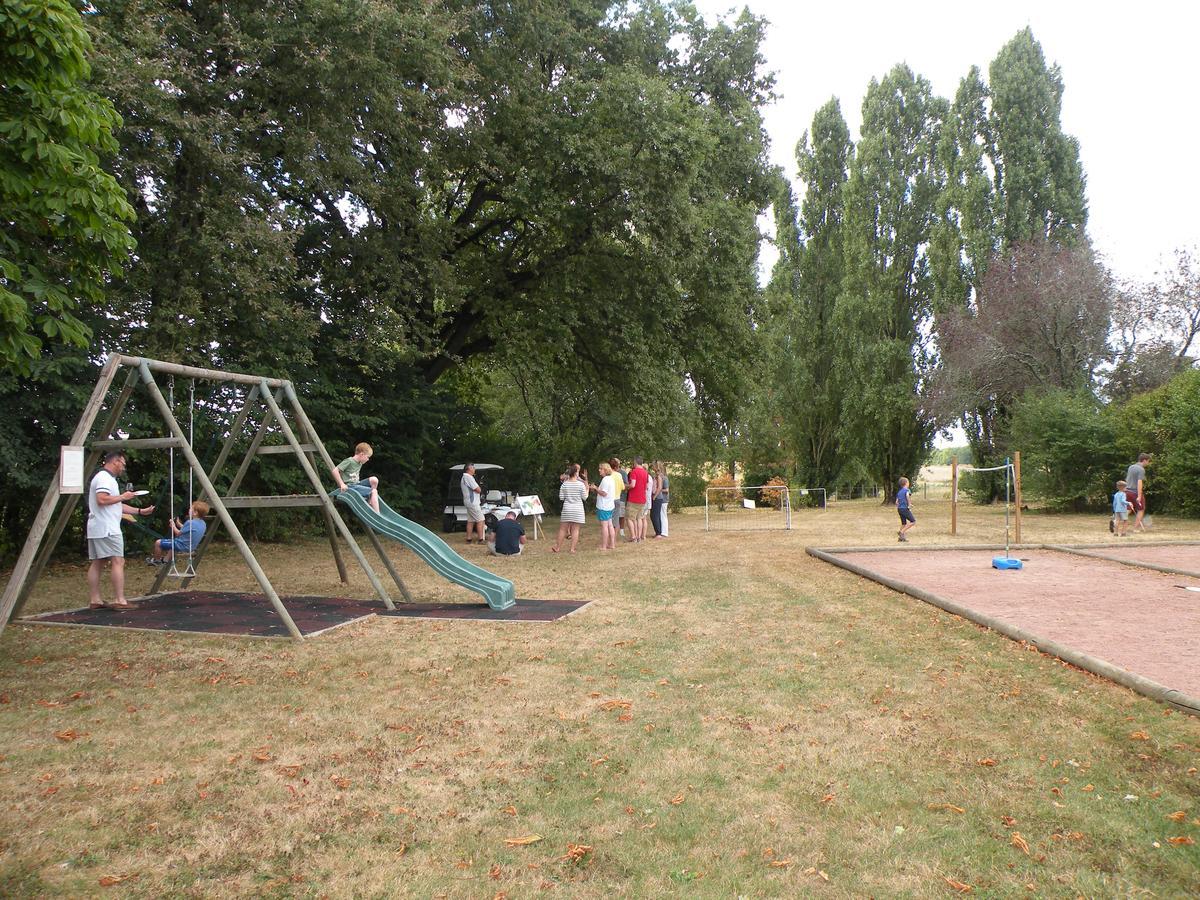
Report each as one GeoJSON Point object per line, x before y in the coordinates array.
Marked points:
{"type": "Point", "coordinates": [729, 718]}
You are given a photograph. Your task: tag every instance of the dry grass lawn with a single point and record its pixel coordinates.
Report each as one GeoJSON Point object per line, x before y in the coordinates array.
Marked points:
{"type": "Point", "coordinates": [730, 717]}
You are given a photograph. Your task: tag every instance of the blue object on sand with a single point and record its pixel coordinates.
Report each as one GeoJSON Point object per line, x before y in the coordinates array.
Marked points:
{"type": "Point", "coordinates": [1006, 562]}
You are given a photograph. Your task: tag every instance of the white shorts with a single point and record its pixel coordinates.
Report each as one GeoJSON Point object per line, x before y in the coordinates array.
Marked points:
{"type": "Point", "coordinates": [106, 547]}
{"type": "Point", "coordinates": [474, 513]}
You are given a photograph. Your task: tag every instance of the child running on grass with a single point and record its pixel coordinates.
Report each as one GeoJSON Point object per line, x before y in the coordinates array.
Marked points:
{"type": "Point", "coordinates": [185, 537]}
{"type": "Point", "coordinates": [904, 506]}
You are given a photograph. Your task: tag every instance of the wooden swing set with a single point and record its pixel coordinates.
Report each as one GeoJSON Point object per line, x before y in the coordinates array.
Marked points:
{"type": "Point", "coordinates": [266, 396]}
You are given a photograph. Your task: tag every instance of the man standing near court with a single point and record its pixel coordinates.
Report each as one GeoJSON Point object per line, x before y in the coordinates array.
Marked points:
{"type": "Point", "coordinates": [639, 479]}
{"type": "Point", "coordinates": [106, 505]}
{"type": "Point", "coordinates": [473, 501]}
{"type": "Point", "coordinates": [1135, 489]}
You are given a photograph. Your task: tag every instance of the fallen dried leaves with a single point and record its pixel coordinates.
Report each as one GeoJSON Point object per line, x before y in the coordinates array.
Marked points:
{"type": "Point", "coordinates": [523, 841]}
{"type": "Point", "coordinates": [959, 886]}
{"type": "Point", "coordinates": [987, 762]}
{"type": "Point", "coordinates": [576, 853]}
{"type": "Point", "coordinates": [69, 735]}
{"type": "Point", "coordinates": [111, 880]}
{"type": "Point", "coordinates": [948, 807]}
{"type": "Point", "coordinates": [1181, 841]}
{"type": "Point", "coordinates": [1020, 843]}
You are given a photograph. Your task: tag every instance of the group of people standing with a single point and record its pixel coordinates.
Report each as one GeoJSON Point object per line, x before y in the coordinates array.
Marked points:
{"type": "Point", "coordinates": [625, 500]}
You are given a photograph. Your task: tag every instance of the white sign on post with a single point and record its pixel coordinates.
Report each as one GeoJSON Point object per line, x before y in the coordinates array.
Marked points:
{"type": "Point", "coordinates": [70, 470]}
{"type": "Point", "coordinates": [532, 506]}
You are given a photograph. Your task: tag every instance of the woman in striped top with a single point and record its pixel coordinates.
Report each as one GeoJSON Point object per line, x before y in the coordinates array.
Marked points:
{"type": "Point", "coordinates": [572, 493]}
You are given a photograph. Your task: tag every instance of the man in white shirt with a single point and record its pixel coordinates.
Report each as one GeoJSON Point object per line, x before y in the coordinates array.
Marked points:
{"type": "Point", "coordinates": [472, 500]}
{"type": "Point", "coordinates": [106, 504]}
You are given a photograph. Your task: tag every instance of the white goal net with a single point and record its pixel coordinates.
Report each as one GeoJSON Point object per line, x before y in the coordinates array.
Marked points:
{"type": "Point", "coordinates": [760, 507]}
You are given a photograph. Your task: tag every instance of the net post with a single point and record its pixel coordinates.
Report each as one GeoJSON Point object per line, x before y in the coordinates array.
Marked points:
{"type": "Point", "coordinates": [1017, 493]}
{"type": "Point", "coordinates": [954, 495]}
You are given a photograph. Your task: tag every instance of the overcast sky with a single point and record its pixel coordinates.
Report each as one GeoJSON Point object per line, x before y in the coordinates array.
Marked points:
{"type": "Point", "coordinates": [1130, 72]}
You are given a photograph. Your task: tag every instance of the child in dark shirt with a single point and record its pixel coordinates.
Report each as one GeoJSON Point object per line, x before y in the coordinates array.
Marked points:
{"type": "Point", "coordinates": [904, 507]}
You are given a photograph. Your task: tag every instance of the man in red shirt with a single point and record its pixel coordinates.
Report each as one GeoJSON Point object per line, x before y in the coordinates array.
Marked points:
{"type": "Point", "coordinates": [639, 478]}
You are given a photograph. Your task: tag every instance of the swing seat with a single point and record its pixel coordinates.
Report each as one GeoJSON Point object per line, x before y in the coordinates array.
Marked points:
{"type": "Point", "coordinates": [1006, 562]}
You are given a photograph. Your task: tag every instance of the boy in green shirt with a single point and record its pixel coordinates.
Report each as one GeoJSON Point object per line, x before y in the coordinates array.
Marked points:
{"type": "Point", "coordinates": [347, 475]}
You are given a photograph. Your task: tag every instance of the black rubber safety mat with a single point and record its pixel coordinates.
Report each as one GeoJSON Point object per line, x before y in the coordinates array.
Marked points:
{"type": "Point", "coordinates": [247, 614]}
{"type": "Point", "coordinates": [523, 611]}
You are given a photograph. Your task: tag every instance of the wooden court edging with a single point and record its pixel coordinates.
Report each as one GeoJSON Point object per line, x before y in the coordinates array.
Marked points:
{"type": "Point", "coordinates": [1126, 561]}
{"type": "Point", "coordinates": [1093, 664]}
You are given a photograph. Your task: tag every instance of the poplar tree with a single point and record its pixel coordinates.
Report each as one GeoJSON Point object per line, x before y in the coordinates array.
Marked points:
{"type": "Point", "coordinates": [817, 404]}
{"type": "Point", "coordinates": [965, 234]}
{"type": "Point", "coordinates": [883, 312]}
{"type": "Point", "coordinates": [1039, 178]}
{"type": "Point", "coordinates": [1012, 176]}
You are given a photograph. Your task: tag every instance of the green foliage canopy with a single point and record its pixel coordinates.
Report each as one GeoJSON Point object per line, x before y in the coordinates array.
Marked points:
{"type": "Point", "coordinates": [62, 217]}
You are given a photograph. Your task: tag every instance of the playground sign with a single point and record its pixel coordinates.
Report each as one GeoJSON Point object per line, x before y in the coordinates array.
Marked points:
{"type": "Point", "coordinates": [70, 470]}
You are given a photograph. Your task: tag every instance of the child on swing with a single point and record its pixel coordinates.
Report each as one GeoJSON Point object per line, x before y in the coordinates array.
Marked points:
{"type": "Point", "coordinates": [185, 537]}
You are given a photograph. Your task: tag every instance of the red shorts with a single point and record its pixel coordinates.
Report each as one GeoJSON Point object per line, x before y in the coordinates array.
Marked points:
{"type": "Point", "coordinates": [1134, 502]}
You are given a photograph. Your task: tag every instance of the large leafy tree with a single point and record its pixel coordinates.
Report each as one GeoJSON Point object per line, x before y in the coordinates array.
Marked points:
{"type": "Point", "coordinates": [884, 309]}
{"type": "Point", "coordinates": [368, 194]}
{"type": "Point", "coordinates": [1040, 323]}
{"type": "Point", "coordinates": [1156, 326]}
{"type": "Point", "coordinates": [63, 218]}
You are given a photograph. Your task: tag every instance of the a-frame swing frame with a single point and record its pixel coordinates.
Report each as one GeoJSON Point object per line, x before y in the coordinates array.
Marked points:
{"type": "Point", "coordinates": [264, 392]}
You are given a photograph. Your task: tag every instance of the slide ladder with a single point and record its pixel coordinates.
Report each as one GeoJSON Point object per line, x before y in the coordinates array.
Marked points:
{"type": "Point", "coordinates": [435, 552]}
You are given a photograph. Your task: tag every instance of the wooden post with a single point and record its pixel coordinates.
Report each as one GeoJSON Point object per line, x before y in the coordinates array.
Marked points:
{"type": "Point", "coordinates": [387, 563]}
{"type": "Point", "coordinates": [330, 529]}
{"type": "Point", "coordinates": [218, 507]}
{"type": "Point", "coordinates": [954, 495]}
{"type": "Point", "coordinates": [72, 500]}
{"type": "Point", "coordinates": [315, 480]}
{"type": "Point", "coordinates": [1017, 491]}
{"type": "Point", "coordinates": [41, 521]}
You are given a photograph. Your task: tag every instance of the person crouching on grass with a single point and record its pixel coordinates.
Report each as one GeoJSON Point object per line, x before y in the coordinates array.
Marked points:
{"type": "Point", "coordinates": [903, 506]}
{"type": "Point", "coordinates": [185, 536]}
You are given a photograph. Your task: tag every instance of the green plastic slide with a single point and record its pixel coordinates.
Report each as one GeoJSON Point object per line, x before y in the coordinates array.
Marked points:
{"type": "Point", "coordinates": [435, 552]}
